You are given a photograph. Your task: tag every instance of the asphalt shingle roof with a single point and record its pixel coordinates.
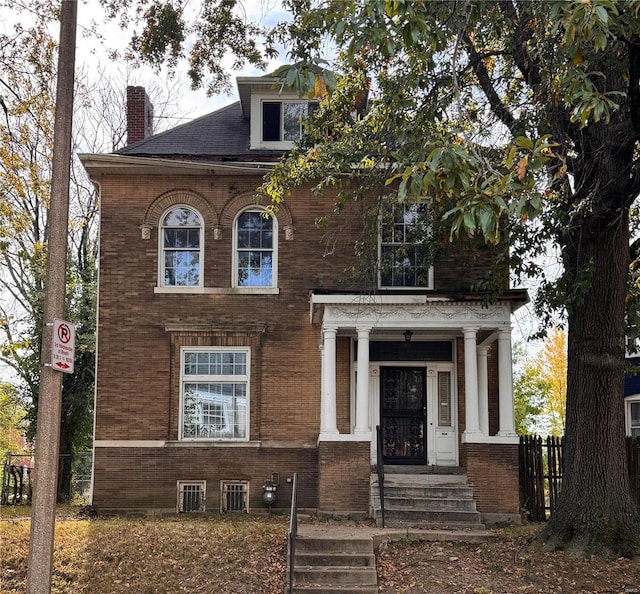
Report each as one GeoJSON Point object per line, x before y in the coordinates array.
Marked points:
{"type": "Point", "coordinates": [221, 135]}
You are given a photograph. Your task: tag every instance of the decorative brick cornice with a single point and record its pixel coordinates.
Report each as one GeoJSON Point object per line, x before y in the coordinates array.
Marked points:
{"type": "Point", "coordinates": [176, 197]}
{"type": "Point", "coordinates": [246, 199]}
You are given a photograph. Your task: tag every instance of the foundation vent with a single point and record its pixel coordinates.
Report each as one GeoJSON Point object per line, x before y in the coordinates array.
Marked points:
{"type": "Point", "coordinates": [234, 496]}
{"type": "Point", "coordinates": [191, 496]}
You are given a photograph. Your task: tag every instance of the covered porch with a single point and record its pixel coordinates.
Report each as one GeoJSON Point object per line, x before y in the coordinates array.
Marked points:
{"type": "Point", "coordinates": [445, 358]}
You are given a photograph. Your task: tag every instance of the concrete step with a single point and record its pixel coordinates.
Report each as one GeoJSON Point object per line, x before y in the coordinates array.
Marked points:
{"type": "Point", "coordinates": [335, 576]}
{"type": "Point", "coordinates": [320, 559]}
{"type": "Point", "coordinates": [427, 525]}
{"type": "Point", "coordinates": [422, 479]}
{"type": "Point", "coordinates": [427, 501]}
{"type": "Point", "coordinates": [429, 504]}
{"type": "Point", "coordinates": [458, 517]}
{"type": "Point", "coordinates": [425, 469]}
{"type": "Point", "coordinates": [334, 565]}
{"type": "Point", "coordinates": [444, 492]}
{"type": "Point", "coordinates": [355, 545]}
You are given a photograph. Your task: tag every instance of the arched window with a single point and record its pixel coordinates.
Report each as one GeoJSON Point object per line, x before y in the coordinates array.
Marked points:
{"type": "Point", "coordinates": [181, 248]}
{"type": "Point", "coordinates": [255, 253]}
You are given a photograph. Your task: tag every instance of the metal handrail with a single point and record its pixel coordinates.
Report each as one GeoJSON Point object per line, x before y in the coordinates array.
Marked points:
{"type": "Point", "coordinates": [293, 529]}
{"type": "Point", "coordinates": [380, 470]}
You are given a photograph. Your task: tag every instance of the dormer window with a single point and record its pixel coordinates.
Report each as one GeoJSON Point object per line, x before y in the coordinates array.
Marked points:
{"type": "Point", "coordinates": [282, 121]}
{"type": "Point", "coordinates": [277, 119]}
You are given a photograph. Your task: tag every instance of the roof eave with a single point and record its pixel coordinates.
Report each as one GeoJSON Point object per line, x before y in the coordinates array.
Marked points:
{"type": "Point", "coordinates": [98, 165]}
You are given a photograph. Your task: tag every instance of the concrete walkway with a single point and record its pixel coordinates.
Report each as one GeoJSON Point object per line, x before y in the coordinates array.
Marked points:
{"type": "Point", "coordinates": [342, 531]}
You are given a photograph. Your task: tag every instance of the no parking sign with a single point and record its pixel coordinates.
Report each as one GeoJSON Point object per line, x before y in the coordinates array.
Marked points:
{"type": "Point", "coordinates": [63, 346]}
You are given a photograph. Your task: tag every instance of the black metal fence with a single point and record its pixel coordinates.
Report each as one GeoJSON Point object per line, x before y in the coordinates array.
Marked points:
{"type": "Point", "coordinates": [541, 465]}
{"type": "Point", "coordinates": [17, 477]}
{"type": "Point", "coordinates": [293, 531]}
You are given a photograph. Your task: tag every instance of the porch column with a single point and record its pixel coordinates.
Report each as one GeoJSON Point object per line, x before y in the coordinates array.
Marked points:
{"type": "Point", "coordinates": [362, 383]}
{"type": "Point", "coordinates": [328, 422]}
{"type": "Point", "coordinates": [471, 383]}
{"type": "Point", "coordinates": [505, 384]}
{"type": "Point", "coordinates": [483, 390]}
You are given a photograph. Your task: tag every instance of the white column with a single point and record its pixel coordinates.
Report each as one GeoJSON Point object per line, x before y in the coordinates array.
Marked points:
{"type": "Point", "coordinates": [505, 384]}
{"type": "Point", "coordinates": [362, 383]}
{"type": "Point", "coordinates": [328, 422]}
{"type": "Point", "coordinates": [483, 390]}
{"type": "Point", "coordinates": [471, 383]}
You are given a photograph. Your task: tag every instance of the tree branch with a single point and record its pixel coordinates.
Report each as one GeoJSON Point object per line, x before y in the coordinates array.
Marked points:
{"type": "Point", "coordinates": [497, 106]}
{"type": "Point", "coordinates": [634, 84]}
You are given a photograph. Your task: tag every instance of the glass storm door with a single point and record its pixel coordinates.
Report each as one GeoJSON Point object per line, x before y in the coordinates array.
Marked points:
{"type": "Point", "coordinates": [403, 412]}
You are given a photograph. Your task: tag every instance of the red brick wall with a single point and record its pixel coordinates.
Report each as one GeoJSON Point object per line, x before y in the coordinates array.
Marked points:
{"type": "Point", "coordinates": [139, 115]}
{"type": "Point", "coordinates": [492, 471]}
{"type": "Point", "coordinates": [146, 478]}
{"type": "Point", "coordinates": [344, 474]}
{"type": "Point", "coordinates": [138, 359]}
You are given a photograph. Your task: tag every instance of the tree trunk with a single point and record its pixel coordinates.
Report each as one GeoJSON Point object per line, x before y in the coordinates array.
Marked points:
{"type": "Point", "coordinates": [596, 513]}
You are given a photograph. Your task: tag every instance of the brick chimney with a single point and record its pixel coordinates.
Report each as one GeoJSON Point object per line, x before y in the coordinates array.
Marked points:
{"type": "Point", "coordinates": [139, 115]}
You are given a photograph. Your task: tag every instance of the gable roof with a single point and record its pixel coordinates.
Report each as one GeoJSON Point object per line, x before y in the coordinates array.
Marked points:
{"type": "Point", "coordinates": [223, 135]}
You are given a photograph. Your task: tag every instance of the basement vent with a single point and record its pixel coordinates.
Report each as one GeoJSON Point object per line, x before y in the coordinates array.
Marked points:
{"type": "Point", "coordinates": [191, 496]}
{"type": "Point", "coordinates": [234, 496]}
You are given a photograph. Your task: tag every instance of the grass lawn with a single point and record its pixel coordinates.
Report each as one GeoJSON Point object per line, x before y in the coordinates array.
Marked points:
{"type": "Point", "coordinates": [224, 554]}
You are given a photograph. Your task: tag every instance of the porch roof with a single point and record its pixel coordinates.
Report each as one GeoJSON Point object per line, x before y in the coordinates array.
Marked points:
{"type": "Point", "coordinates": [419, 307]}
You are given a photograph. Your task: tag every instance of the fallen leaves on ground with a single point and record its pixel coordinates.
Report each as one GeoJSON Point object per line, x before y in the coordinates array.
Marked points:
{"type": "Point", "coordinates": [241, 554]}
{"type": "Point", "coordinates": [228, 554]}
{"type": "Point", "coordinates": [514, 562]}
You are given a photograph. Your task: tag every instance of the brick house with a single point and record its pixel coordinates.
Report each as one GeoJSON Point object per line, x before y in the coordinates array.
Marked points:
{"type": "Point", "coordinates": [235, 349]}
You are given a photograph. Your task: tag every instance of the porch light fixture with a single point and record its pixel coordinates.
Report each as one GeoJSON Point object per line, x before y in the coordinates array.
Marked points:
{"type": "Point", "coordinates": [407, 335]}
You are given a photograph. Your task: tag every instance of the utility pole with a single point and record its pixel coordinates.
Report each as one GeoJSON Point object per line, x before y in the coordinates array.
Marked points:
{"type": "Point", "coordinates": [47, 443]}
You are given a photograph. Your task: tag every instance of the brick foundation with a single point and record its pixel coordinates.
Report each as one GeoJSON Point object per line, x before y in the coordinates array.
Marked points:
{"type": "Point", "coordinates": [344, 471]}
{"type": "Point", "coordinates": [492, 471]}
{"type": "Point", "coordinates": [129, 479]}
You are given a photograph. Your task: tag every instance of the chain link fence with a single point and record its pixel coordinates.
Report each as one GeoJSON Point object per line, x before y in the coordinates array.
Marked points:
{"type": "Point", "coordinates": [17, 478]}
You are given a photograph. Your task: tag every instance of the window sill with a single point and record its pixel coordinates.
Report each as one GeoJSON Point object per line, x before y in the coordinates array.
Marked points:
{"type": "Point", "coordinates": [275, 145]}
{"type": "Point", "coordinates": [217, 290]}
{"type": "Point", "coordinates": [212, 443]}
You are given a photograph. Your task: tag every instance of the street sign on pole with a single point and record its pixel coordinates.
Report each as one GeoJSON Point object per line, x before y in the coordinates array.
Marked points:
{"type": "Point", "coordinates": [63, 346]}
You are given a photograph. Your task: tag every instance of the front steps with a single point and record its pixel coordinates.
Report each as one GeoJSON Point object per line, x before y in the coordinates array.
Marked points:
{"type": "Point", "coordinates": [427, 501]}
{"type": "Point", "coordinates": [335, 565]}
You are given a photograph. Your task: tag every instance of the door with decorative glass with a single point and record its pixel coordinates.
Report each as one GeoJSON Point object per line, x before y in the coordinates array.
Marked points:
{"type": "Point", "coordinates": [403, 410]}
{"type": "Point", "coordinates": [441, 429]}
{"type": "Point", "coordinates": [417, 415]}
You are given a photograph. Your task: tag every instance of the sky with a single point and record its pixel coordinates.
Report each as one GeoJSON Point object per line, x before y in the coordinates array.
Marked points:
{"type": "Point", "coordinates": [196, 103]}
{"type": "Point", "coordinates": [92, 54]}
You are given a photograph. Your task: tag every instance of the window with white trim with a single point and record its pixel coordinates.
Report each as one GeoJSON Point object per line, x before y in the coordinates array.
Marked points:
{"type": "Point", "coordinates": [283, 121]}
{"type": "Point", "coordinates": [255, 249]}
{"type": "Point", "coordinates": [404, 258]}
{"type": "Point", "coordinates": [180, 237]}
{"type": "Point", "coordinates": [633, 416]}
{"type": "Point", "coordinates": [444, 399]}
{"type": "Point", "coordinates": [214, 393]}
{"type": "Point", "coordinates": [277, 119]}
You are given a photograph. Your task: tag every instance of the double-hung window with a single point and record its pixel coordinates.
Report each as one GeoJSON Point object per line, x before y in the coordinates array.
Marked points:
{"type": "Point", "coordinates": [181, 248]}
{"type": "Point", "coordinates": [404, 248]}
{"type": "Point", "coordinates": [215, 393]}
{"type": "Point", "coordinates": [255, 241]}
{"type": "Point", "coordinates": [282, 121]}
{"type": "Point", "coordinates": [633, 416]}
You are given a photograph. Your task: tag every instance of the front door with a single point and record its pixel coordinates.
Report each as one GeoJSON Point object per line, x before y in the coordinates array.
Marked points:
{"type": "Point", "coordinates": [403, 414]}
